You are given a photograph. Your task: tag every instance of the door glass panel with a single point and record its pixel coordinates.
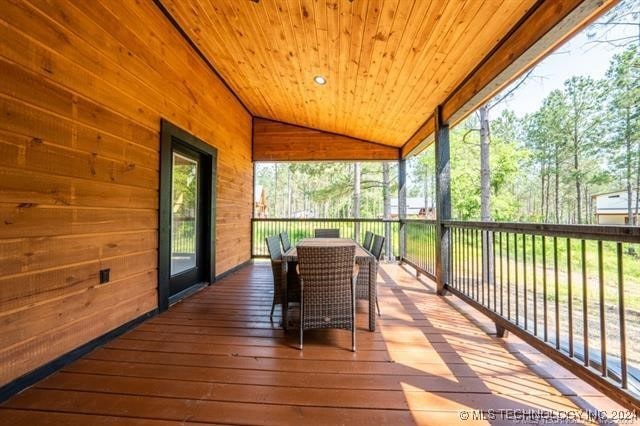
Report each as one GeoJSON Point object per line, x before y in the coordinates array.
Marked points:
{"type": "Point", "coordinates": [184, 207]}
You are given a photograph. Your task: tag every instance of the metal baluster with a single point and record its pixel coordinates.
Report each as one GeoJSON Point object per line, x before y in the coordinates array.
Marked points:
{"type": "Point", "coordinates": [501, 285]}
{"type": "Point", "coordinates": [585, 310]}
{"type": "Point", "coordinates": [493, 252]}
{"type": "Point", "coordinates": [544, 287]}
{"type": "Point", "coordinates": [535, 286]}
{"type": "Point", "coordinates": [603, 323]}
{"type": "Point", "coordinates": [621, 313]}
{"type": "Point", "coordinates": [515, 264]}
{"type": "Point", "coordinates": [524, 279]}
{"type": "Point", "coordinates": [482, 255]}
{"type": "Point", "coordinates": [557, 290]}
{"type": "Point", "coordinates": [570, 296]}
{"type": "Point", "coordinates": [508, 281]}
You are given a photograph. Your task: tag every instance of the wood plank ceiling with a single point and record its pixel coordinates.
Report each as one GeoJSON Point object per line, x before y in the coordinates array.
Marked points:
{"type": "Point", "coordinates": [388, 63]}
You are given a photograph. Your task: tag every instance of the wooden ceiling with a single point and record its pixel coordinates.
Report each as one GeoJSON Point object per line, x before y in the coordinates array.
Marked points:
{"type": "Point", "coordinates": [388, 63]}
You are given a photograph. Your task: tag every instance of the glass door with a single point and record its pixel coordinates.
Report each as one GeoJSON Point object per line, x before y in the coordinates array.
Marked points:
{"type": "Point", "coordinates": [186, 220]}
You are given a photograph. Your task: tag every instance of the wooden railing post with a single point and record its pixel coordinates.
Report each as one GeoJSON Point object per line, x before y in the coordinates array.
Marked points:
{"type": "Point", "coordinates": [402, 206]}
{"type": "Point", "coordinates": [443, 201]}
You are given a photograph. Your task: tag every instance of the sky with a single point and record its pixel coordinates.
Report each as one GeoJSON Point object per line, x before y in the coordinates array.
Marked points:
{"type": "Point", "coordinates": [579, 56]}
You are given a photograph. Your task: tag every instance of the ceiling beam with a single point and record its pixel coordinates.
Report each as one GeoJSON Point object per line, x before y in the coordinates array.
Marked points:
{"type": "Point", "coordinates": [542, 30]}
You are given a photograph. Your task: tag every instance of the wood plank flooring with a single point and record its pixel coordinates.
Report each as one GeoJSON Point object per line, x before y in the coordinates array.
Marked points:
{"type": "Point", "coordinates": [217, 358]}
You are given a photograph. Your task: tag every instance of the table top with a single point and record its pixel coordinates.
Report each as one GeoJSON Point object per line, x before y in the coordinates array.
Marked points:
{"type": "Point", "coordinates": [361, 253]}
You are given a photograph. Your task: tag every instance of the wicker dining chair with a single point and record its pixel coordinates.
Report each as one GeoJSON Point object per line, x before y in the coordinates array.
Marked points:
{"type": "Point", "coordinates": [376, 248]}
{"type": "Point", "coordinates": [368, 239]}
{"type": "Point", "coordinates": [327, 289]}
{"type": "Point", "coordinates": [286, 244]}
{"type": "Point", "coordinates": [327, 233]}
{"type": "Point", "coordinates": [293, 283]}
{"type": "Point", "coordinates": [376, 251]}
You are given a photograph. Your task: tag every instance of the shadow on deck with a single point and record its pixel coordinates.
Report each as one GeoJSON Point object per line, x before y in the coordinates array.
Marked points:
{"type": "Point", "coordinates": [217, 358]}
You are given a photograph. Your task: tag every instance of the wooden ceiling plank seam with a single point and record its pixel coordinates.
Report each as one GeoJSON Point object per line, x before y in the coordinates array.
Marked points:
{"type": "Point", "coordinates": [198, 52]}
{"type": "Point", "coordinates": [544, 13]}
{"type": "Point", "coordinates": [444, 30]}
{"type": "Point", "coordinates": [295, 57]}
{"type": "Point", "coordinates": [254, 30]}
{"type": "Point", "coordinates": [456, 61]}
{"type": "Point", "coordinates": [258, 26]}
{"type": "Point", "coordinates": [322, 41]}
{"type": "Point", "coordinates": [380, 49]}
{"type": "Point", "coordinates": [303, 57]}
{"type": "Point", "coordinates": [332, 45]}
{"type": "Point", "coordinates": [391, 103]}
{"type": "Point", "coordinates": [370, 29]}
{"type": "Point", "coordinates": [261, 83]}
{"type": "Point", "coordinates": [310, 25]}
{"type": "Point", "coordinates": [358, 22]}
{"type": "Point", "coordinates": [453, 42]}
{"type": "Point", "coordinates": [390, 49]}
{"type": "Point", "coordinates": [346, 19]}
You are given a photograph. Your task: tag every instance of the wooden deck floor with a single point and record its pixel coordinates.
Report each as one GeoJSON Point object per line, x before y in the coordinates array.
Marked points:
{"type": "Point", "coordinates": [216, 358]}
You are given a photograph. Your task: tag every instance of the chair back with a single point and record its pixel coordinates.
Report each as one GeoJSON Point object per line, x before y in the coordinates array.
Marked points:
{"type": "Point", "coordinates": [368, 238]}
{"type": "Point", "coordinates": [284, 238]}
{"type": "Point", "coordinates": [273, 245]}
{"type": "Point", "coordinates": [327, 233]}
{"type": "Point", "coordinates": [376, 248]}
{"type": "Point", "coordinates": [326, 274]}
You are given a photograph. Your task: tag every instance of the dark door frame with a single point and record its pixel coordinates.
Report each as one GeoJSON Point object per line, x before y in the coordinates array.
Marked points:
{"type": "Point", "coordinates": [171, 134]}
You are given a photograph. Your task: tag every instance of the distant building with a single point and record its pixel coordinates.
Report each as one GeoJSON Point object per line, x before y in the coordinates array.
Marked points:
{"type": "Point", "coordinates": [415, 208]}
{"type": "Point", "coordinates": [611, 208]}
{"type": "Point", "coordinates": [260, 202]}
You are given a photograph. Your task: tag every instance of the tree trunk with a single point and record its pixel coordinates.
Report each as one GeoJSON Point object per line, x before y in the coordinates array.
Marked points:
{"type": "Point", "coordinates": [542, 196]}
{"type": "Point", "coordinates": [275, 198]}
{"type": "Point", "coordinates": [426, 189]}
{"type": "Point", "coordinates": [356, 200]}
{"type": "Point", "coordinates": [386, 199]}
{"type": "Point", "coordinates": [636, 221]}
{"type": "Point", "coordinates": [576, 169]}
{"type": "Point", "coordinates": [557, 182]}
{"type": "Point", "coordinates": [288, 201]}
{"type": "Point", "coordinates": [628, 172]}
{"type": "Point", "coordinates": [485, 168]}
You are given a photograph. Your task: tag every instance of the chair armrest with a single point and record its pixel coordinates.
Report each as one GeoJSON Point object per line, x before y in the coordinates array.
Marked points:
{"type": "Point", "coordinates": [356, 270]}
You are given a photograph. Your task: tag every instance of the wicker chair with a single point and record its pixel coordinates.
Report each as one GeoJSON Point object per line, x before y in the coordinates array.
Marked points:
{"type": "Point", "coordinates": [368, 238]}
{"type": "Point", "coordinates": [293, 283]}
{"type": "Point", "coordinates": [328, 279]}
{"type": "Point", "coordinates": [286, 244]}
{"type": "Point", "coordinates": [327, 233]}
{"type": "Point", "coordinates": [376, 248]}
{"type": "Point", "coordinates": [376, 251]}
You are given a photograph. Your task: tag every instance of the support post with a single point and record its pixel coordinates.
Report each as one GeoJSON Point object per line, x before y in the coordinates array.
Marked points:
{"type": "Point", "coordinates": [443, 201]}
{"type": "Point", "coordinates": [402, 206]}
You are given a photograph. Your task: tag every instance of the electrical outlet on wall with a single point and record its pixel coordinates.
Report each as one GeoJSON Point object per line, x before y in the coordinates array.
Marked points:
{"type": "Point", "coordinates": [104, 276]}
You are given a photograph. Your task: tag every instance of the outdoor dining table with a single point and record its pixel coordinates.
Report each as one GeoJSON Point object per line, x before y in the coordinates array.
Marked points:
{"type": "Point", "coordinates": [367, 276]}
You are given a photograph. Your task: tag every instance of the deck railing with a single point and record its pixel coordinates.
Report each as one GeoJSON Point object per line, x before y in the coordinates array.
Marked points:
{"type": "Point", "coordinates": [304, 228]}
{"type": "Point", "coordinates": [571, 291]}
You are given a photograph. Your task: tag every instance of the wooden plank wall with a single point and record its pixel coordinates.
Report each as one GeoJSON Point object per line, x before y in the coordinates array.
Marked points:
{"type": "Point", "coordinates": [83, 86]}
{"type": "Point", "coordinates": [277, 141]}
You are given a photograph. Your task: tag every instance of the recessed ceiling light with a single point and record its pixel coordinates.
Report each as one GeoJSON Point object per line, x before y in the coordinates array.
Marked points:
{"type": "Point", "coordinates": [318, 79]}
